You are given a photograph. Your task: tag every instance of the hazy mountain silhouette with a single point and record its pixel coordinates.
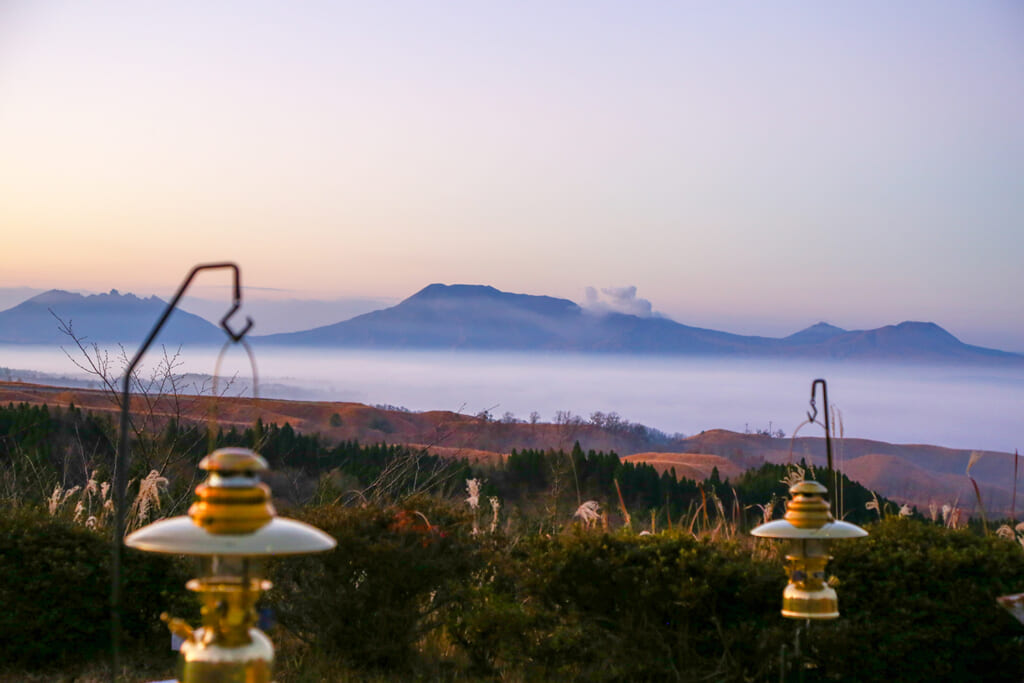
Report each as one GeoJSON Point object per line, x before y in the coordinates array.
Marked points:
{"type": "Point", "coordinates": [101, 318]}
{"type": "Point", "coordinates": [476, 317]}
{"type": "Point", "coordinates": [484, 318]}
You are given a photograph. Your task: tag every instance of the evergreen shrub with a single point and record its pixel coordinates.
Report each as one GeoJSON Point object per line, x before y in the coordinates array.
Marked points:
{"type": "Point", "coordinates": [371, 599]}
{"type": "Point", "coordinates": [918, 603]}
{"type": "Point", "coordinates": [593, 606]}
{"type": "Point", "coordinates": [55, 593]}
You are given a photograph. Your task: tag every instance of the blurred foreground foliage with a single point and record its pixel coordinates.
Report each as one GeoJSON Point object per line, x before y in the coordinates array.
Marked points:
{"type": "Point", "coordinates": [410, 592]}
{"type": "Point", "coordinates": [55, 593]}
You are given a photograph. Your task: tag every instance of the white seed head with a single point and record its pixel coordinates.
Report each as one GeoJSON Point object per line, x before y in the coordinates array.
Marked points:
{"type": "Point", "coordinates": [589, 511]}
{"type": "Point", "coordinates": [473, 489]}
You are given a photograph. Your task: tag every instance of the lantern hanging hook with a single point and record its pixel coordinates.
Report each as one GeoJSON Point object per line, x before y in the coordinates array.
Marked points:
{"type": "Point", "coordinates": [235, 336]}
{"type": "Point", "coordinates": [828, 430]}
{"type": "Point", "coordinates": [811, 416]}
{"type": "Point", "coordinates": [121, 457]}
{"type": "Point", "coordinates": [213, 417]}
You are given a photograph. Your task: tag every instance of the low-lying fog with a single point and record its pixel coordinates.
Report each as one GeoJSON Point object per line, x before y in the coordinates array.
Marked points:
{"type": "Point", "coordinates": [962, 407]}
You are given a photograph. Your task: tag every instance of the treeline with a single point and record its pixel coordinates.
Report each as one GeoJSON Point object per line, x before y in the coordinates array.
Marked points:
{"type": "Point", "coordinates": [42, 447]}
{"type": "Point", "coordinates": [67, 446]}
{"type": "Point", "coordinates": [50, 440]}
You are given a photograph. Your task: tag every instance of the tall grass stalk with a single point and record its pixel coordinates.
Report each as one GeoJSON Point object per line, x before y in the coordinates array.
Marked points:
{"type": "Point", "coordinates": [1013, 500]}
{"type": "Point", "coordinates": [622, 506]}
{"type": "Point", "coordinates": [975, 457]}
{"type": "Point", "coordinates": [837, 476]}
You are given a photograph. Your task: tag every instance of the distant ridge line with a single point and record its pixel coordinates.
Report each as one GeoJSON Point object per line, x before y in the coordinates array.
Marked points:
{"type": "Point", "coordinates": [481, 317]}
{"type": "Point", "coordinates": [464, 317]}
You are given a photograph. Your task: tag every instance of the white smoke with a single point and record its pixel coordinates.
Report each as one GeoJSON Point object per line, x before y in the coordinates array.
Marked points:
{"type": "Point", "coordinates": [617, 300]}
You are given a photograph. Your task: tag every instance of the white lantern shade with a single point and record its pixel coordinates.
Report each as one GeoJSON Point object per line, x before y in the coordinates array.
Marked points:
{"type": "Point", "coordinates": [181, 536]}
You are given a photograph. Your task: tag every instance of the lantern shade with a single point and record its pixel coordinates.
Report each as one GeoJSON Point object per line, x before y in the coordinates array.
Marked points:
{"type": "Point", "coordinates": [181, 536]}
{"type": "Point", "coordinates": [781, 528]}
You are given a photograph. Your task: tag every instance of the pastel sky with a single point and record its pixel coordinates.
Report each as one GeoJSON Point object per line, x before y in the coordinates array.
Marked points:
{"type": "Point", "coordinates": [752, 166]}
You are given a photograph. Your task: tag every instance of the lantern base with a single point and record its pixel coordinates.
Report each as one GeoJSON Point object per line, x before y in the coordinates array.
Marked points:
{"type": "Point", "coordinates": [801, 603]}
{"type": "Point", "coordinates": [201, 662]}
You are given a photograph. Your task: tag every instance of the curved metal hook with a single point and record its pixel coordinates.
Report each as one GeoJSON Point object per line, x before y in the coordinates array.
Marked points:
{"type": "Point", "coordinates": [828, 434]}
{"type": "Point", "coordinates": [235, 336]}
{"type": "Point", "coordinates": [824, 395]}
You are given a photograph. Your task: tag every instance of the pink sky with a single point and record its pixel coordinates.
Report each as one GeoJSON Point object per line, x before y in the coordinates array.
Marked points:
{"type": "Point", "coordinates": [758, 167]}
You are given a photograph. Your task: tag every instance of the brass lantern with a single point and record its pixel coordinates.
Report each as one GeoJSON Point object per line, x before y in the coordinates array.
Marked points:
{"type": "Point", "coordinates": [232, 527]}
{"type": "Point", "coordinates": [809, 526]}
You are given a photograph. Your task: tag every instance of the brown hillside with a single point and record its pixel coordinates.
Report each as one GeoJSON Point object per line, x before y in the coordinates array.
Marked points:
{"type": "Point", "coordinates": [473, 455]}
{"type": "Point", "coordinates": [917, 474]}
{"type": "Point", "coordinates": [907, 473]}
{"type": "Point", "coordinates": [903, 481]}
{"type": "Point", "coordinates": [994, 467]}
{"type": "Point", "coordinates": [695, 466]}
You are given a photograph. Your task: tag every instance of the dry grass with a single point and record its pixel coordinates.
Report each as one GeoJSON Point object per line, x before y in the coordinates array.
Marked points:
{"type": "Point", "coordinates": [92, 506]}
{"type": "Point", "coordinates": [693, 466]}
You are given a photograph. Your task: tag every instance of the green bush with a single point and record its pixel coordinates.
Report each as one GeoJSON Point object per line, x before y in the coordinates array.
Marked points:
{"type": "Point", "coordinates": [55, 593]}
{"type": "Point", "coordinates": [371, 599]}
{"type": "Point", "coordinates": [918, 604]}
{"type": "Point", "coordinates": [592, 606]}
{"type": "Point", "coordinates": [410, 590]}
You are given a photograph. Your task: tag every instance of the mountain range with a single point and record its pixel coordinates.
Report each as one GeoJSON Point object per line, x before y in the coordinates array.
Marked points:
{"type": "Point", "coordinates": [109, 318]}
{"type": "Point", "coordinates": [482, 318]}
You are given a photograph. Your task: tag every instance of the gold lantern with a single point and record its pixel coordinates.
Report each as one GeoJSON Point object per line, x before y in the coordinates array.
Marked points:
{"type": "Point", "coordinates": [809, 526]}
{"type": "Point", "coordinates": [232, 527]}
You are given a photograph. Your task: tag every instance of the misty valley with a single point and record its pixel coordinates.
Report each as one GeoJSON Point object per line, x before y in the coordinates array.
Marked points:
{"type": "Point", "coordinates": [974, 407]}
